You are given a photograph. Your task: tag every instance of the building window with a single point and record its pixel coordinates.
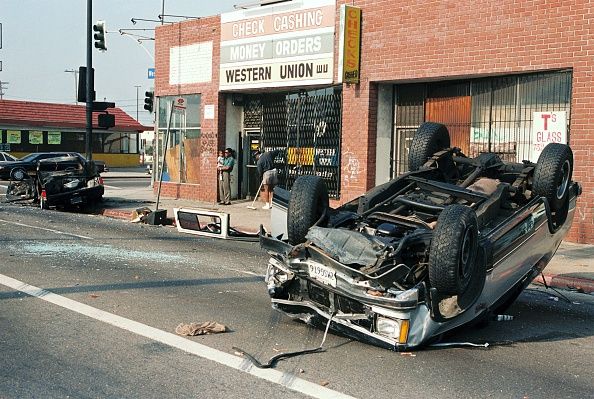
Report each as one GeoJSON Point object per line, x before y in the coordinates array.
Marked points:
{"type": "Point", "coordinates": [482, 115]}
{"type": "Point", "coordinates": [183, 144]}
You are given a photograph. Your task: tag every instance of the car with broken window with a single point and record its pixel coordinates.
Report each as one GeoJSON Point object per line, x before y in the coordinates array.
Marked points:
{"type": "Point", "coordinates": [6, 157]}
{"type": "Point", "coordinates": [59, 181]}
{"type": "Point", "coordinates": [452, 242]}
{"type": "Point", "coordinates": [16, 169]}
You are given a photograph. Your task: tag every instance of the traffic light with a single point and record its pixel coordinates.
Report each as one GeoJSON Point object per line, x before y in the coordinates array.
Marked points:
{"type": "Point", "coordinates": [106, 120]}
{"type": "Point", "coordinates": [148, 100]}
{"type": "Point", "coordinates": [99, 27]}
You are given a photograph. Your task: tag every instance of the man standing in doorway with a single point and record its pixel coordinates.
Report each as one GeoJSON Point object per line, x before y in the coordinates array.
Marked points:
{"type": "Point", "coordinates": [268, 175]}
{"type": "Point", "coordinates": [225, 183]}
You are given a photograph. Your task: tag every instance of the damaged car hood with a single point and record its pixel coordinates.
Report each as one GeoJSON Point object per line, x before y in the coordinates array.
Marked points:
{"type": "Point", "coordinates": [348, 246]}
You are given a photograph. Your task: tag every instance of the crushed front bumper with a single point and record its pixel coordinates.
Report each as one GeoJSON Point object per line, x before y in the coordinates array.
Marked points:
{"type": "Point", "coordinates": [398, 322]}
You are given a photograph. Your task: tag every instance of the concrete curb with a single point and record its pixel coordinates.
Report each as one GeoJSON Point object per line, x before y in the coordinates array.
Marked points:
{"type": "Point", "coordinates": [566, 282]}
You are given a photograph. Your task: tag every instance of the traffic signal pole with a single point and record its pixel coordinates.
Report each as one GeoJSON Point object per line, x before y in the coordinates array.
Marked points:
{"type": "Point", "coordinates": [89, 130]}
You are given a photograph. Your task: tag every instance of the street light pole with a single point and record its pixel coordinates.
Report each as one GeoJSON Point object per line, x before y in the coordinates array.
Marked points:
{"type": "Point", "coordinates": [89, 113]}
{"type": "Point", "coordinates": [75, 72]}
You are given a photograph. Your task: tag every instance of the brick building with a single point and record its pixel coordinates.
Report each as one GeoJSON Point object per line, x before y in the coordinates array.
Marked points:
{"type": "Point", "coordinates": [276, 76]}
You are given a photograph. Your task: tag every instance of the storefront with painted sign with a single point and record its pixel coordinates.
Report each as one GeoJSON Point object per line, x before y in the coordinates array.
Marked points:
{"type": "Point", "coordinates": [341, 88]}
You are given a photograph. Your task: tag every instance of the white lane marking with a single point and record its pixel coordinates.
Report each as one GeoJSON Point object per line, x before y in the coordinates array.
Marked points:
{"type": "Point", "coordinates": [287, 380]}
{"type": "Point", "coordinates": [112, 187]}
{"type": "Point", "coordinates": [3, 186]}
{"type": "Point", "coordinates": [42, 228]}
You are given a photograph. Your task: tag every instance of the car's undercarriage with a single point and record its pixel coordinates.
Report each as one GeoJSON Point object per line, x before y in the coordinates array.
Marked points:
{"type": "Point", "coordinates": [418, 254]}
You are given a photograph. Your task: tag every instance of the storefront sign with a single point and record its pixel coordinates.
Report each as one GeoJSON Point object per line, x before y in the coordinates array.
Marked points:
{"type": "Point", "coordinates": [13, 136]}
{"type": "Point", "coordinates": [286, 44]}
{"type": "Point", "coordinates": [35, 137]}
{"type": "Point", "coordinates": [547, 127]}
{"type": "Point", "coordinates": [350, 44]}
{"type": "Point", "coordinates": [54, 137]}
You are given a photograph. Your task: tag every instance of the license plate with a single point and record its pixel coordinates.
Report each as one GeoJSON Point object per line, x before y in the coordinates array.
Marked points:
{"type": "Point", "coordinates": [322, 274]}
{"type": "Point", "coordinates": [75, 200]}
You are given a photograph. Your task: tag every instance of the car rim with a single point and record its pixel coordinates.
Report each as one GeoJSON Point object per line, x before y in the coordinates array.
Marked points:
{"type": "Point", "coordinates": [18, 174]}
{"type": "Point", "coordinates": [565, 170]}
{"type": "Point", "coordinates": [465, 254]}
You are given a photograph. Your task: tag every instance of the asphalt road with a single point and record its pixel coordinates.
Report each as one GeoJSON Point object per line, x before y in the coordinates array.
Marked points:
{"type": "Point", "coordinates": [113, 293]}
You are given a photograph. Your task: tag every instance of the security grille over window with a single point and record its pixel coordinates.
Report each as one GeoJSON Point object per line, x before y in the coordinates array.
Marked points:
{"type": "Point", "coordinates": [482, 115]}
{"type": "Point", "coordinates": [252, 113]}
{"type": "Point", "coordinates": [307, 126]}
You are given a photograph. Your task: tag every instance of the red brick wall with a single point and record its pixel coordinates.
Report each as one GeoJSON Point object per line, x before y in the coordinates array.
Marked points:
{"type": "Point", "coordinates": [444, 39]}
{"type": "Point", "coordinates": [420, 41]}
{"type": "Point", "coordinates": [213, 130]}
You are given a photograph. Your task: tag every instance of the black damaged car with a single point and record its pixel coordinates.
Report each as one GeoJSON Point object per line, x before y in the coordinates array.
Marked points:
{"type": "Point", "coordinates": [59, 181]}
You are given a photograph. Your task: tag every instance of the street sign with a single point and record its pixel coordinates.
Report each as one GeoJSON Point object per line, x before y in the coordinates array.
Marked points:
{"type": "Point", "coordinates": [179, 105]}
{"type": "Point", "coordinates": [151, 73]}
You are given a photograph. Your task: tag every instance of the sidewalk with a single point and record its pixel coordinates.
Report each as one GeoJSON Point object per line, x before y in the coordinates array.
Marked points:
{"type": "Point", "coordinates": [572, 267]}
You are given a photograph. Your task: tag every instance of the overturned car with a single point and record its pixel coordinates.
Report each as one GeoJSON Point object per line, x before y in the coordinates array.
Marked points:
{"type": "Point", "coordinates": [60, 181]}
{"type": "Point", "coordinates": [451, 242]}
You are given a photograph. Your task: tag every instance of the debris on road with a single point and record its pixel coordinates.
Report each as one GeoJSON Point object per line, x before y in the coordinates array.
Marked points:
{"type": "Point", "coordinates": [139, 215]}
{"type": "Point", "coordinates": [207, 327]}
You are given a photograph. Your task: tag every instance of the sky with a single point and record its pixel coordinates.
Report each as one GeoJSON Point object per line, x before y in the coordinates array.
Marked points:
{"type": "Point", "coordinates": [43, 38]}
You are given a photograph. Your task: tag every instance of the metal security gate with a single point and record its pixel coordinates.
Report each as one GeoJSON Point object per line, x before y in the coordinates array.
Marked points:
{"type": "Point", "coordinates": [307, 126]}
{"type": "Point", "coordinates": [483, 115]}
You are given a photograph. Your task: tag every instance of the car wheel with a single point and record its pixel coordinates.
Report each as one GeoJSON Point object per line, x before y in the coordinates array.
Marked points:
{"type": "Point", "coordinates": [553, 174]}
{"type": "Point", "coordinates": [453, 250]}
{"type": "Point", "coordinates": [18, 174]}
{"type": "Point", "coordinates": [430, 138]}
{"type": "Point", "coordinates": [308, 202]}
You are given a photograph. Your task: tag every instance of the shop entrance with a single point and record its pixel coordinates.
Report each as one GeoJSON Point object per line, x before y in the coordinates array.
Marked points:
{"type": "Point", "coordinates": [305, 125]}
{"type": "Point", "coordinates": [250, 146]}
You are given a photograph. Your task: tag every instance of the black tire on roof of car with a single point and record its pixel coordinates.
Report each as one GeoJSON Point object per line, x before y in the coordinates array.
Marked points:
{"type": "Point", "coordinates": [552, 174]}
{"type": "Point", "coordinates": [430, 138]}
{"type": "Point", "coordinates": [307, 204]}
{"type": "Point", "coordinates": [453, 250]}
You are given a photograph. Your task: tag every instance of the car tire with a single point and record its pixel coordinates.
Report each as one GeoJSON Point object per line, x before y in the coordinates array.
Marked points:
{"type": "Point", "coordinates": [18, 174]}
{"type": "Point", "coordinates": [308, 203]}
{"type": "Point", "coordinates": [453, 250]}
{"type": "Point", "coordinates": [430, 138]}
{"type": "Point", "coordinates": [552, 174]}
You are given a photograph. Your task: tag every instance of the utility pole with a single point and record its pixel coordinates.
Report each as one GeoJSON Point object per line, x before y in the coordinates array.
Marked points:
{"type": "Point", "coordinates": [2, 88]}
{"type": "Point", "coordinates": [89, 78]}
{"type": "Point", "coordinates": [75, 72]}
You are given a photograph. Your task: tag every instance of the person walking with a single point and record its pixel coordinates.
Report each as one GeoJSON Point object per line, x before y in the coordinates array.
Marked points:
{"type": "Point", "coordinates": [268, 174]}
{"type": "Point", "coordinates": [225, 180]}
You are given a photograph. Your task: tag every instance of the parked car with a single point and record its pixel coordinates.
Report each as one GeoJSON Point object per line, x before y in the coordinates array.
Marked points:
{"type": "Point", "coordinates": [17, 169]}
{"type": "Point", "coordinates": [452, 242]}
{"type": "Point", "coordinates": [4, 156]}
{"type": "Point", "coordinates": [60, 181]}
